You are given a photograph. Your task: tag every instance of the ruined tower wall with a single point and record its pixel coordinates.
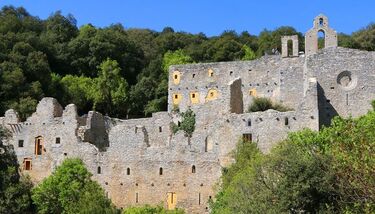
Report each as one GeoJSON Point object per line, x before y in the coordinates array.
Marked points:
{"type": "Point", "coordinates": [346, 81]}
{"type": "Point", "coordinates": [271, 76]}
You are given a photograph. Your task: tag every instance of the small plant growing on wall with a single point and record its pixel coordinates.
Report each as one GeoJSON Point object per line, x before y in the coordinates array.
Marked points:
{"type": "Point", "coordinates": [263, 104]}
{"type": "Point", "coordinates": [187, 123]}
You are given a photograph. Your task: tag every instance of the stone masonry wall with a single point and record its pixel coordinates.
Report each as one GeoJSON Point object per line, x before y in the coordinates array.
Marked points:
{"type": "Point", "coordinates": [141, 161]}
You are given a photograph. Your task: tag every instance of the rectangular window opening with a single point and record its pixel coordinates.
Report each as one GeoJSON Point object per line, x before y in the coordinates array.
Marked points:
{"type": "Point", "coordinates": [247, 137]}
{"type": "Point", "coordinates": [57, 140]}
{"type": "Point", "coordinates": [20, 143]}
{"type": "Point", "coordinates": [27, 164]}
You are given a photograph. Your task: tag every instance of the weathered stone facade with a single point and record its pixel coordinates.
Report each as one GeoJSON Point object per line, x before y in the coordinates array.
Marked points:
{"type": "Point", "coordinates": [141, 161]}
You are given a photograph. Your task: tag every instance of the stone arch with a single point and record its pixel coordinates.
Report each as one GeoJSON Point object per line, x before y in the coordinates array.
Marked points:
{"type": "Point", "coordinates": [321, 24]}
{"type": "Point", "coordinates": [39, 145]}
{"type": "Point", "coordinates": [323, 33]}
{"type": "Point", "coordinates": [284, 46]}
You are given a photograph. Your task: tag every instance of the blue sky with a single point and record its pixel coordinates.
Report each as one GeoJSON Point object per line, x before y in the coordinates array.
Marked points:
{"type": "Point", "coordinates": [211, 17]}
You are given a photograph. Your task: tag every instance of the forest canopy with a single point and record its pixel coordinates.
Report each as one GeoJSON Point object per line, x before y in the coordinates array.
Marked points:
{"type": "Point", "coordinates": [54, 57]}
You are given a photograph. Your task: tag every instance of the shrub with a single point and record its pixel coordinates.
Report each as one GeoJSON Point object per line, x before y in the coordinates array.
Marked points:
{"type": "Point", "coordinates": [187, 123]}
{"type": "Point", "coordinates": [263, 104]}
{"type": "Point", "coordinates": [70, 190]}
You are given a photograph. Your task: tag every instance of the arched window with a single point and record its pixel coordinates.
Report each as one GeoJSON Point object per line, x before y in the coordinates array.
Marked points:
{"type": "Point", "coordinates": [128, 171]}
{"type": "Point", "coordinates": [161, 171]}
{"type": "Point", "coordinates": [321, 39]}
{"type": "Point", "coordinates": [99, 170]}
{"type": "Point", "coordinates": [321, 22]}
{"type": "Point", "coordinates": [193, 169]}
{"type": "Point", "coordinates": [249, 122]}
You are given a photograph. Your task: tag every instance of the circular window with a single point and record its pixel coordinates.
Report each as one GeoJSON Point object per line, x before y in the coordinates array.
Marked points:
{"type": "Point", "coordinates": [346, 80]}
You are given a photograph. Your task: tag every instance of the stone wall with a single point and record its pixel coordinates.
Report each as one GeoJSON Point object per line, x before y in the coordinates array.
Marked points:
{"type": "Point", "coordinates": [141, 161]}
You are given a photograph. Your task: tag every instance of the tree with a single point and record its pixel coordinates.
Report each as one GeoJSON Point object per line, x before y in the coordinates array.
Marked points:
{"type": "Point", "coordinates": [177, 57]}
{"type": "Point", "coordinates": [249, 53]}
{"type": "Point", "coordinates": [330, 171]}
{"type": "Point", "coordinates": [112, 90]}
{"type": "Point", "coordinates": [80, 91]}
{"type": "Point", "coordinates": [15, 190]}
{"type": "Point", "coordinates": [70, 190]}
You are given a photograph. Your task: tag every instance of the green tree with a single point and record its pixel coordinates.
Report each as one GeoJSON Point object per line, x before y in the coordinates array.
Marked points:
{"type": "Point", "coordinates": [249, 53]}
{"type": "Point", "coordinates": [15, 190]}
{"type": "Point", "coordinates": [80, 91]}
{"type": "Point", "coordinates": [112, 90]}
{"type": "Point", "coordinates": [177, 57]}
{"type": "Point", "coordinates": [70, 190]}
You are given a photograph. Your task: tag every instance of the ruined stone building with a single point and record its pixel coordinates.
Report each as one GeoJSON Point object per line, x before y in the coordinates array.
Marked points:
{"type": "Point", "coordinates": [141, 161]}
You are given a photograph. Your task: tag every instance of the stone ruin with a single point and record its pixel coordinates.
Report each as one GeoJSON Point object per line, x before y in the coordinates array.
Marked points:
{"type": "Point", "coordinates": [141, 161]}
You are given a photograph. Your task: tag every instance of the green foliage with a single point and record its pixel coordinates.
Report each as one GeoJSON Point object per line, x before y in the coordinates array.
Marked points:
{"type": "Point", "coordinates": [187, 123]}
{"type": "Point", "coordinates": [26, 106]}
{"type": "Point", "coordinates": [112, 89]}
{"type": "Point", "coordinates": [70, 190]}
{"type": "Point", "coordinates": [249, 53]}
{"type": "Point", "coordinates": [15, 190]}
{"type": "Point", "coordinates": [36, 55]}
{"type": "Point", "coordinates": [263, 104]}
{"type": "Point", "coordinates": [147, 209]}
{"type": "Point", "coordinates": [177, 57]}
{"type": "Point", "coordinates": [330, 171]}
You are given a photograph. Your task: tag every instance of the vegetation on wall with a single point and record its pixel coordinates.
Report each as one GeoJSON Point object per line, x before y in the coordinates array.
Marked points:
{"type": "Point", "coordinates": [53, 57]}
{"type": "Point", "coordinates": [330, 171]}
{"type": "Point", "coordinates": [187, 123]}
{"type": "Point", "coordinates": [264, 104]}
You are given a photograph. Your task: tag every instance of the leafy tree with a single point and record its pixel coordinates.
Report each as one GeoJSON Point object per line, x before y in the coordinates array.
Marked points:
{"type": "Point", "coordinates": [15, 190]}
{"type": "Point", "coordinates": [177, 57]}
{"type": "Point", "coordinates": [365, 38]}
{"type": "Point", "coordinates": [187, 123]}
{"type": "Point", "coordinates": [112, 89]}
{"type": "Point", "coordinates": [249, 54]}
{"type": "Point", "coordinates": [25, 106]}
{"type": "Point", "coordinates": [80, 91]}
{"type": "Point", "coordinates": [70, 190]}
{"type": "Point", "coordinates": [330, 171]}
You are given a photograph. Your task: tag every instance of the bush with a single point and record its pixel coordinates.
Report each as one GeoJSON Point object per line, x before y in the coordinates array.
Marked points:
{"type": "Point", "coordinates": [187, 123]}
{"type": "Point", "coordinates": [263, 104]}
{"type": "Point", "coordinates": [70, 190]}
{"type": "Point", "coordinates": [330, 171]}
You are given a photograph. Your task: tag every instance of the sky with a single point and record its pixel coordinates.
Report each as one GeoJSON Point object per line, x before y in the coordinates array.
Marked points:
{"type": "Point", "coordinates": [211, 17]}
